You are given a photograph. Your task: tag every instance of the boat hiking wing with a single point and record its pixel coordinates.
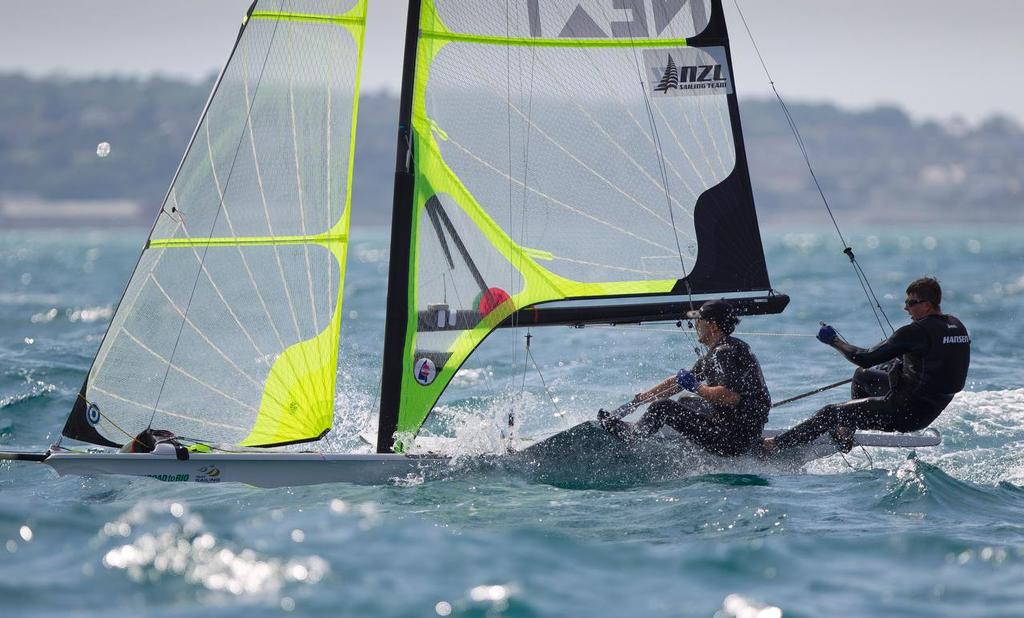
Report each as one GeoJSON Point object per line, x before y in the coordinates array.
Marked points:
{"type": "Point", "coordinates": [228, 329]}
{"type": "Point", "coordinates": [552, 151]}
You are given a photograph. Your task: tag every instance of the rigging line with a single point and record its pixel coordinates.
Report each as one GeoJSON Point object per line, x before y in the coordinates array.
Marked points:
{"type": "Point", "coordinates": [332, 297]}
{"type": "Point", "coordinates": [263, 198]}
{"type": "Point", "coordinates": [213, 284]}
{"type": "Point", "coordinates": [560, 82]}
{"type": "Point", "coordinates": [298, 180]}
{"type": "Point", "coordinates": [664, 175]}
{"type": "Point", "coordinates": [220, 208]}
{"type": "Point", "coordinates": [511, 229]}
{"type": "Point", "coordinates": [177, 171]}
{"type": "Point", "coordinates": [820, 389]}
{"type": "Point", "coordinates": [674, 329]}
{"type": "Point", "coordinates": [870, 463]}
{"type": "Point", "coordinates": [522, 212]}
{"type": "Point", "coordinates": [280, 267]}
{"type": "Point", "coordinates": [661, 162]}
{"type": "Point", "coordinates": [865, 285]}
{"type": "Point", "coordinates": [250, 104]}
{"type": "Point", "coordinates": [686, 153]}
{"type": "Point", "coordinates": [724, 123]}
{"type": "Point", "coordinates": [870, 289]}
{"type": "Point", "coordinates": [436, 209]}
{"type": "Point", "coordinates": [206, 443]}
{"type": "Point", "coordinates": [625, 103]}
{"type": "Point", "coordinates": [199, 332]}
{"type": "Point", "coordinates": [640, 271]}
{"type": "Point", "coordinates": [693, 132]}
{"type": "Point", "coordinates": [209, 387]}
{"type": "Point", "coordinates": [131, 438]}
{"type": "Point", "coordinates": [104, 353]}
{"type": "Point", "coordinates": [703, 151]}
{"type": "Point", "coordinates": [547, 391]}
{"type": "Point", "coordinates": [181, 415]}
{"type": "Point", "coordinates": [600, 176]}
{"type": "Point", "coordinates": [523, 220]}
{"type": "Point", "coordinates": [522, 385]}
{"type": "Point", "coordinates": [555, 200]}
{"type": "Point", "coordinates": [669, 164]}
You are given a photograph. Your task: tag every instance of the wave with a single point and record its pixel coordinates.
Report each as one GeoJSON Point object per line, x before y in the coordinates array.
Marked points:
{"type": "Point", "coordinates": [161, 539]}
{"type": "Point", "coordinates": [920, 488]}
{"type": "Point", "coordinates": [982, 442]}
{"type": "Point", "coordinates": [37, 390]}
{"type": "Point", "coordinates": [74, 314]}
{"type": "Point", "coordinates": [983, 437]}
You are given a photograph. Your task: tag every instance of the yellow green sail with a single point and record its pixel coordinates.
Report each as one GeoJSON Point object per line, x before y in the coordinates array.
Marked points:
{"type": "Point", "coordinates": [548, 166]}
{"type": "Point", "coordinates": [228, 330]}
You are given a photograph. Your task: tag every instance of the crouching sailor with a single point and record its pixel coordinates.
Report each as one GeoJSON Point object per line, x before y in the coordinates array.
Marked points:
{"type": "Point", "coordinates": [931, 356]}
{"type": "Point", "coordinates": [731, 407]}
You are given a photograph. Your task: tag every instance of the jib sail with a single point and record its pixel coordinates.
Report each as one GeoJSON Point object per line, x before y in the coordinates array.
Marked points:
{"type": "Point", "coordinates": [228, 329]}
{"type": "Point", "coordinates": [554, 150]}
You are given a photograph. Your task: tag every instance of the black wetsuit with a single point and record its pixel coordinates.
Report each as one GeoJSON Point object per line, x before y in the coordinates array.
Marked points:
{"type": "Point", "coordinates": [721, 429]}
{"type": "Point", "coordinates": [933, 355]}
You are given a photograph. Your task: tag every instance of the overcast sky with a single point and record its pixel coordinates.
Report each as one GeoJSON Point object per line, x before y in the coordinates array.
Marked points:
{"type": "Point", "coordinates": [934, 58]}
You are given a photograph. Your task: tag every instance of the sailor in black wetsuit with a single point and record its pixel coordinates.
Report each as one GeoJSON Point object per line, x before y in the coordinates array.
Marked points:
{"type": "Point", "coordinates": [731, 407]}
{"type": "Point", "coordinates": [931, 357]}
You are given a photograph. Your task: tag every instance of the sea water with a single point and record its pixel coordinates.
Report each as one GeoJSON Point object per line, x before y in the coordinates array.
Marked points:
{"type": "Point", "coordinates": [939, 532]}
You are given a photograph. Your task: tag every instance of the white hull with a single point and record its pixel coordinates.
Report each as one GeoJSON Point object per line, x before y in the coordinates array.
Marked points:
{"type": "Point", "coordinates": [585, 454]}
{"type": "Point", "coordinates": [259, 469]}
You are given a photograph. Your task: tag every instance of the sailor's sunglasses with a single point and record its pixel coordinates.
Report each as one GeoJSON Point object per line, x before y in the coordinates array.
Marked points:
{"type": "Point", "coordinates": [910, 302]}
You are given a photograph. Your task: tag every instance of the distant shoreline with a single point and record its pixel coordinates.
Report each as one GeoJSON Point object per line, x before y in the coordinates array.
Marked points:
{"type": "Point", "coordinates": [877, 166]}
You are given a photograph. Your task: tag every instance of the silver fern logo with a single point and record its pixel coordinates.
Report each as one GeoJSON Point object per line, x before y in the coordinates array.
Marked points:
{"type": "Point", "coordinates": [670, 78]}
{"type": "Point", "coordinates": [682, 72]}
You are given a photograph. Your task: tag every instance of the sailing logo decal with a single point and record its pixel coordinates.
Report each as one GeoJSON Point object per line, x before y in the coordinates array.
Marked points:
{"type": "Point", "coordinates": [424, 371]}
{"type": "Point", "coordinates": [687, 72]}
{"type": "Point", "coordinates": [208, 474]}
{"type": "Point", "coordinates": [92, 414]}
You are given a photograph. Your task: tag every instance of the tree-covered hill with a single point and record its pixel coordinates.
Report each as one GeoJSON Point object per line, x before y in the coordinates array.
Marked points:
{"type": "Point", "coordinates": [875, 165]}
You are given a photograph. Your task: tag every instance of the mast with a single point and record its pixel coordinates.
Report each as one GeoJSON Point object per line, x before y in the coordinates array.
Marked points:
{"type": "Point", "coordinates": [401, 242]}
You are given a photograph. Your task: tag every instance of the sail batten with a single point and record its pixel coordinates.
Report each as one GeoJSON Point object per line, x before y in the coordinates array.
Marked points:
{"type": "Point", "coordinates": [241, 241]}
{"type": "Point", "coordinates": [308, 17]}
{"type": "Point", "coordinates": [230, 327]}
{"type": "Point", "coordinates": [560, 42]}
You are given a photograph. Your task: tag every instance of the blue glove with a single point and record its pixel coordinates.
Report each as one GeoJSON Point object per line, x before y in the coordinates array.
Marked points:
{"type": "Point", "coordinates": [827, 334]}
{"type": "Point", "coordinates": [687, 380]}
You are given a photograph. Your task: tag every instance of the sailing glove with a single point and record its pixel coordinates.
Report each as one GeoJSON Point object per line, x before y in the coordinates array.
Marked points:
{"type": "Point", "coordinates": [687, 380]}
{"type": "Point", "coordinates": [827, 334]}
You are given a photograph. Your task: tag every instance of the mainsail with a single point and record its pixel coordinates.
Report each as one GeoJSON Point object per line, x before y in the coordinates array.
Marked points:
{"type": "Point", "coordinates": [557, 150]}
{"type": "Point", "coordinates": [228, 329]}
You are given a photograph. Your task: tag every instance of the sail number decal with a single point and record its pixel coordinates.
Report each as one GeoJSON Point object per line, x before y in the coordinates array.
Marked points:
{"type": "Point", "coordinates": [626, 19]}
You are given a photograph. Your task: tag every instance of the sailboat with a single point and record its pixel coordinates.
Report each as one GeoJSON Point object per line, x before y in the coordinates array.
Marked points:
{"type": "Point", "coordinates": [564, 162]}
